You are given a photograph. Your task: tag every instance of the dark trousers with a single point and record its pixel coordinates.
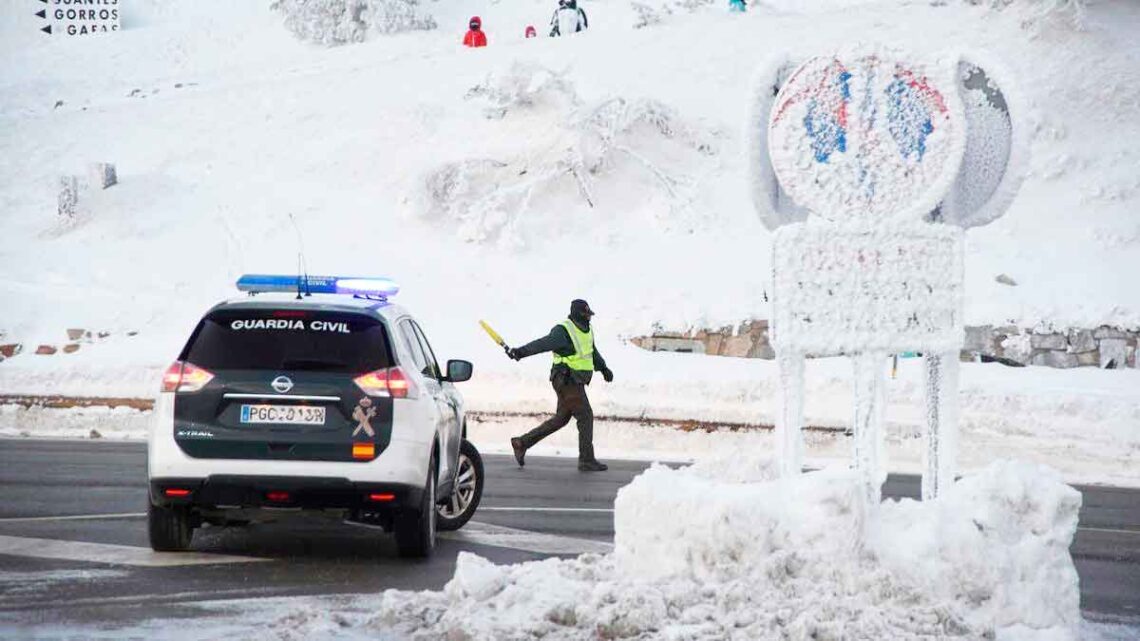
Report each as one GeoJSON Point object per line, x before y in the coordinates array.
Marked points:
{"type": "Point", "coordinates": [572, 402]}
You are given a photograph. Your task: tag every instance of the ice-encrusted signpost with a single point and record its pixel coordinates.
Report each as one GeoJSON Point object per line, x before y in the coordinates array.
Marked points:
{"type": "Point", "coordinates": [868, 166]}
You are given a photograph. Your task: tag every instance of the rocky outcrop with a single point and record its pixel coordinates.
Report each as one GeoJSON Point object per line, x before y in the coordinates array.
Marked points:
{"type": "Point", "coordinates": [76, 338]}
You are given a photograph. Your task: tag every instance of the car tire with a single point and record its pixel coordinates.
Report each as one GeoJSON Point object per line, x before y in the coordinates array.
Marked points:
{"type": "Point", "coordinates": [169, 528]}
{"type": "Point", "coordinates": [415, 529]}
{"type": "Point", "coordinates": [467, 491]}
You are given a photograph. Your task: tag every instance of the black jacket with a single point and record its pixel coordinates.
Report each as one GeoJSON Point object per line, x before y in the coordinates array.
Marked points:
{"type": "Point", "coordinates": [559, 342]}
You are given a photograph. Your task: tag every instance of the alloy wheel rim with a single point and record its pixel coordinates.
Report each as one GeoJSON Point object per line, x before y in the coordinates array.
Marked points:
{"type": "Point", "coordinates": [466, 480]}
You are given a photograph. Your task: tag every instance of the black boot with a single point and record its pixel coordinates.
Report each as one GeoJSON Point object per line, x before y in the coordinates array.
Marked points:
{"type": "Point", "coordinates": [520, 450]}
{"type": "Point", "coordinates": [593, 465]}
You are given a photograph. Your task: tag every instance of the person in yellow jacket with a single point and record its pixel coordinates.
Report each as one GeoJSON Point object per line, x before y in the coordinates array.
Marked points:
{"type": "Point", "coordinates": [576, 358]}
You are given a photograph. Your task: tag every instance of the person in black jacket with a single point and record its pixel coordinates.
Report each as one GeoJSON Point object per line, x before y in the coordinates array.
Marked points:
{"type": "Point", "coordinates": [576, 358]}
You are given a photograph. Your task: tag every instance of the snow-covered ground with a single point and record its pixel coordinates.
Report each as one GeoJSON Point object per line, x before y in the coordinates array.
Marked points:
{"type": "Point", "coordinates": [381, 149]}
{"type": "Point", "coordinates": [460, 172]}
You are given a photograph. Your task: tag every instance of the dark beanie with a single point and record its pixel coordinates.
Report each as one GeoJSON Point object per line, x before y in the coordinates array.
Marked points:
{"type": "Point", "coordinates": [580, 309]}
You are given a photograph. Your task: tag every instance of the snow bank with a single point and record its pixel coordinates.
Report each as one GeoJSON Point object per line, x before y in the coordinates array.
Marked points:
{"type": "Point", "coordinates": [721, 551]}
{"type": "Point", "coordinates": [75, 422]}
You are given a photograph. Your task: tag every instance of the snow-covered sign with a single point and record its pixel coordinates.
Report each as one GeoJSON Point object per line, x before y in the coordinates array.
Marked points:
{"type": "Point", "coordinates": [81, 17]}
{"type": "Point", "coordinates": [858, 161]}
{"type": "Point", "coordinates": [984, 183]}
{"type": "Point", "coordinates": [865, 138]}
{"type": "Point", "coordinates": [993, 162]}
{"type": "Point", "coordinates": [848, 290]}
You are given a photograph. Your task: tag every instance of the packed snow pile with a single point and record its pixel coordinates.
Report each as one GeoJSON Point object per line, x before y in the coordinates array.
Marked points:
{"type": "Point", "coordinates": [74, 422]}
{"type": "Point", "coordinates": [722, 550]}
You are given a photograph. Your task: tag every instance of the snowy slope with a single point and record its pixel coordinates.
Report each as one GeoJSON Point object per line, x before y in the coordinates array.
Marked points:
{"type": "Point", "coordinates": [461, 173]}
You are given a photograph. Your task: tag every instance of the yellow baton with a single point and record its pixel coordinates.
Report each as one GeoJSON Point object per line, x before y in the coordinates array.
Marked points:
{"type": "Point", "coordinates": [493, 334]}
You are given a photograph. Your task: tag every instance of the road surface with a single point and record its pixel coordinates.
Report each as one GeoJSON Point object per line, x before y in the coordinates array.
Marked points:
{"type": "Point", "coordinates": [73, 547]}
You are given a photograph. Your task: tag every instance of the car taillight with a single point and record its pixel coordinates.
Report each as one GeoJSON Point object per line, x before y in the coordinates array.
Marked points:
{"type": "Point", "coordinates": [386, 382]}
{"type": "Point", "coordinates": [185, 377]}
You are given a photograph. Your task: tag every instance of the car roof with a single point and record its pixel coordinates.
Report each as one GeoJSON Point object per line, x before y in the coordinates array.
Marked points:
{"type": "Point", "coordinates": [317, 302]}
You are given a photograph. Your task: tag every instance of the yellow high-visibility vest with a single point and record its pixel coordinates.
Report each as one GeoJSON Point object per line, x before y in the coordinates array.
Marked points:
{"type": "Point", "coordinates": [582, 359]}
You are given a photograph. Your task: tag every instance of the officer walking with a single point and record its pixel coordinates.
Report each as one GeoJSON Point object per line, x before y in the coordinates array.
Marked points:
{"type": "Point", "coordinates": [575, 361]}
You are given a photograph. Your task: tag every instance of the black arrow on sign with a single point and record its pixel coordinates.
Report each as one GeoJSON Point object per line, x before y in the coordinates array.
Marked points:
{"type": "Point", "coordinates": [46, 29]}
{"type": "Point", "coordinates": [42, 13]}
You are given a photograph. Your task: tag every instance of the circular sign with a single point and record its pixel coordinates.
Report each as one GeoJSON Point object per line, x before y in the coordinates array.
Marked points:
{"type": "Point", "coordinates": [865, 139]}
{"type": "Point", "coordinates": [993, 164]}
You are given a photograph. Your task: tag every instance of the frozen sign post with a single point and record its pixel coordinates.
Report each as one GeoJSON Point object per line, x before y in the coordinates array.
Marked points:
{"type": "Point", "coordinates": [868, 167]}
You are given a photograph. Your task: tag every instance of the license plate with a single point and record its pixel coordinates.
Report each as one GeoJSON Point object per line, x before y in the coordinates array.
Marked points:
{"type": "Point", "coordinates": [292, 414]}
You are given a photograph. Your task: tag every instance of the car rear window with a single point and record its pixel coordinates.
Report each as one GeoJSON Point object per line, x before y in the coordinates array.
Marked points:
{"type": "Point", "coordinates": [298, 340]}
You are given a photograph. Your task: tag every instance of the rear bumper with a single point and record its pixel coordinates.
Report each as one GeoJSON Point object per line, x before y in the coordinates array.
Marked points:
{"type": "Point", "coordinates": [240, 491]}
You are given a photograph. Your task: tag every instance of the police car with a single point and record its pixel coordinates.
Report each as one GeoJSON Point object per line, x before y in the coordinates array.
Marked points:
{"type": "Point", "coordinates": [313, 395]}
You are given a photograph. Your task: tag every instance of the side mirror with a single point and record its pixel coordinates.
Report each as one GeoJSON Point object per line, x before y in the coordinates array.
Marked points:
{"type": "Point", "coordinates": [459, 371]}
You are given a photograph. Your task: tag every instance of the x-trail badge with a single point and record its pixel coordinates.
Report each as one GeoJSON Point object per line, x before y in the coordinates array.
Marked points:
{"type": "Point", "coordinates": [282, 384]}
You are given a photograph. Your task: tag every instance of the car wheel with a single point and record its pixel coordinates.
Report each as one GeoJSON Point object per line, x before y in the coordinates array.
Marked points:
{"type": "Point", "coordinates": [468, 489]}
{"type": "Point", "coordinates": [415, 529]}
{"type": "Point", "coordinates": [169, 528]}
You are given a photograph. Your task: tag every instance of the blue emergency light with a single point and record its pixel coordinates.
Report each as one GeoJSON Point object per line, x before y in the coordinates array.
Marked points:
{"type": "Point", "coordinates": [306, 284]}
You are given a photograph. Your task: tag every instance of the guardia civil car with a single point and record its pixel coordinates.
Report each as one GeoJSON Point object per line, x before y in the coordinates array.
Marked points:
{"type": "Point", "coordinates": [315, 396]}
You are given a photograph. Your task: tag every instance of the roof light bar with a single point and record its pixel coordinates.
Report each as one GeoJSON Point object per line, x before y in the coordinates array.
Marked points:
{"type": "Point", "coordinates": [352, 285]}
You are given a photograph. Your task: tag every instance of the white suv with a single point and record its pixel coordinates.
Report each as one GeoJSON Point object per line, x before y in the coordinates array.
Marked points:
{"type": "Point", "coordinates": [317, 403]}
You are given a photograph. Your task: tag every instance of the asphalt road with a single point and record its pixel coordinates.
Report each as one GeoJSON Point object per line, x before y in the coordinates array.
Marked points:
{"type": "Point", "coordinates": [51, 575]}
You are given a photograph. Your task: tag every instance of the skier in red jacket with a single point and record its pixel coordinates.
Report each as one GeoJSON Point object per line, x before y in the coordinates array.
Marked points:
{"type": "Point", "coordinates": [475, 36]}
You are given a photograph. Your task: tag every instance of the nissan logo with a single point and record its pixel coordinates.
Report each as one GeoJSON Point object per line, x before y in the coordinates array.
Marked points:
{"type": "Point", "coordinates": [282, 384]}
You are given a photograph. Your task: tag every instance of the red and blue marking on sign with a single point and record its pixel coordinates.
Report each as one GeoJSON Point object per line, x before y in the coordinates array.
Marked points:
{"type": "Point", "coordinates": [911, 106]}
{"type": "Point", "coordinates": [826, 119]}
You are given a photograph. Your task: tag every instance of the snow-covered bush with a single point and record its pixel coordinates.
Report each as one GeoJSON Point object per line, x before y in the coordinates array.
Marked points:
{"type": "Point", "coordinates": [605, 128]}
{"type": "Point", "coordinates": [335, 22]}
{"type": "Point", "coordinates": [395, 16]}
{"type": "Point", "coordinates": [327, 22]}
{"type": "Point", "coordinates": [578, 156]}
{"type": "Point", "coordinates": [1036, 12]}
{"type": "Point", "coordinates": [656, 13]}
{"type": "Point", "coordinates": [648, 15]}
{"type": "Point", "coordinates": [523, 85]}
